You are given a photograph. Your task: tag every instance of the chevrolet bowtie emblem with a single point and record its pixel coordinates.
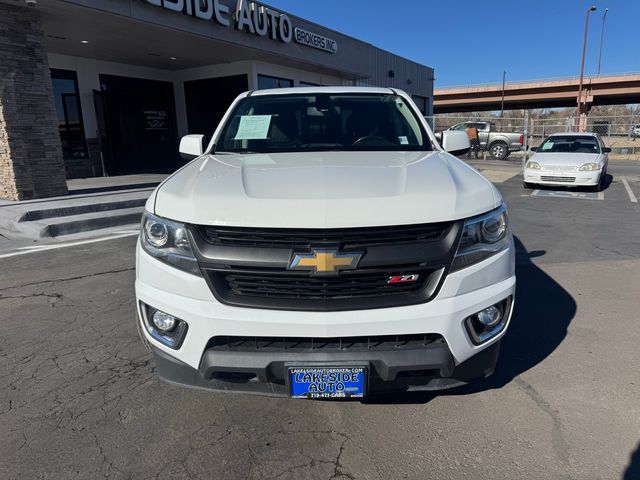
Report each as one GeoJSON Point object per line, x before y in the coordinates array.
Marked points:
{"type": "Point", "coordinates": [325, 261]}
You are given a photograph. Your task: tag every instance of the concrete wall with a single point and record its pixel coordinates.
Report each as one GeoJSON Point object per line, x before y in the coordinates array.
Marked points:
{"type": "Point", "coordinates": [31, 163]}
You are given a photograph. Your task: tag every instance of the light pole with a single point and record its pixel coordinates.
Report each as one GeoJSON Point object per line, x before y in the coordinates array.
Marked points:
{"type": "Point", "coordinates": [604, 17]}
{"type": "Point", "coordinates": [504, 74]}
{"type": "Point", "coordinates": [584, 51]}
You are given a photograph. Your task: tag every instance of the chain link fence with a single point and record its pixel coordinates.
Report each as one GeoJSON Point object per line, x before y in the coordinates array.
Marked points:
{"type": "Point", "coordinates": [620, 132]}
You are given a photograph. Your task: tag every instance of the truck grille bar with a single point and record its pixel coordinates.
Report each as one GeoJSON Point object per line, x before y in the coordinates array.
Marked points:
{"type": "Point", "coordinates": [343, 237]}
{"type": "Point", "coordinates": [311, 344]}
{"type": "Point", "coordinates": [252, 267]}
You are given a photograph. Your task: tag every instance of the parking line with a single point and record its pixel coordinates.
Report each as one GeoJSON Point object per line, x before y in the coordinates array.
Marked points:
{"type": "Point", "coordinates": [42, 248]}
{"type": "Point", "coordinates": [632, 197]}
{"type": "Point", "coordinates": [567, 194]}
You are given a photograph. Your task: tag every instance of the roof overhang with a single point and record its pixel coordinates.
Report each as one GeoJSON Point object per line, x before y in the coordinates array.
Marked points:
{"type": "Point", "coordinates": [138, 33]}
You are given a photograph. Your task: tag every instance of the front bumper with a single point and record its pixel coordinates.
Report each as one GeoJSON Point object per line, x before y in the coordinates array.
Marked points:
{"type": "Point", "coordinates": [454, 361]}
{"type": "Point", "coordinates": [555, 178]}
{"type": "Point", "coordinates": [390, 372]}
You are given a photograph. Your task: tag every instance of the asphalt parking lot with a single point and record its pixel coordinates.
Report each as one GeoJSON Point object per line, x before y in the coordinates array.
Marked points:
{"type": "Point", "coordinates": [79, 397]}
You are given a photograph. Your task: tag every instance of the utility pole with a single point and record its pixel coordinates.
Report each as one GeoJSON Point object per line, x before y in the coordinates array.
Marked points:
{"type": "Point", "coordinates": [504, 75]}
{"type": "Point", "coordinates": [604, 17]}
{"type": "Point", "coordinates": [525, 145]}
{"type": "Point", "coordinates": [584, 51]}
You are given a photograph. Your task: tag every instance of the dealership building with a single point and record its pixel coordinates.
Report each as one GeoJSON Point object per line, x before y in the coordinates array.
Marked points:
{"type": "Point", "coordinates": [107, 87]}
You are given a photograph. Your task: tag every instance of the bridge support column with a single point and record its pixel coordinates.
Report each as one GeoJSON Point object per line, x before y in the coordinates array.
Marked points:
{"type": "Point", "coordinates": [586, 102]}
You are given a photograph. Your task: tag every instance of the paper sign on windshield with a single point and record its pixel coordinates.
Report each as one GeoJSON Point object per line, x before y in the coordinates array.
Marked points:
{"type": "Point", "coordinates": [253, 127]}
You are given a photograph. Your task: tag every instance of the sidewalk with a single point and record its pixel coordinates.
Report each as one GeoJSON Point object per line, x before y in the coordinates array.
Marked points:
{"type": "Point", "coordinates": [95, 186]}
{"type": "Point", "coordinates": [93, 204]}
{"type": "Point", "coordinates": [121, 182]}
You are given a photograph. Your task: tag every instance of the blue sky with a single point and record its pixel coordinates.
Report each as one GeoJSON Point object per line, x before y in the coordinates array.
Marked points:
{"type": "Point", "coordinates": [470, 42]}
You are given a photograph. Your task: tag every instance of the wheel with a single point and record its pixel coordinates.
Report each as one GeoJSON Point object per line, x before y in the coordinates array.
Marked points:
{"type": "Point", "coordinates": [528, 186]}
{"type": "Point", "coordinates": [499, 150]}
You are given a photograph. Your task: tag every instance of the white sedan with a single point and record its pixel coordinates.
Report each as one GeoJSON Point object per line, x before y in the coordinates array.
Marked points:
{"type": "Point", "coordinates": [569, 159]}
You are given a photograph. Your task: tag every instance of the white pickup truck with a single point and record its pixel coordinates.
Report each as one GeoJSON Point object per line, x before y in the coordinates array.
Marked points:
{"type": "Point", "coordinates": [324, 245]}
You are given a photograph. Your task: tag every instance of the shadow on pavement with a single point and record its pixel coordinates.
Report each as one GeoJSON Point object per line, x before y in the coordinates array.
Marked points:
{"type": "Point", "coordinates": [633, 469]}
{"type": "Point", "coordinates": [542, 314]}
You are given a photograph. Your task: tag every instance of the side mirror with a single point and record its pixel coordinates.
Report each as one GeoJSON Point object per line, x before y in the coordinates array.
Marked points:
{"type": "Point", "coordinates": [191, 146]}
{"type": "Point", "coordinates": [606, 149]}
{"type": "Point", "coordinates": [455, 142]}
{"type": "Point", "coordinates": [533, 149]}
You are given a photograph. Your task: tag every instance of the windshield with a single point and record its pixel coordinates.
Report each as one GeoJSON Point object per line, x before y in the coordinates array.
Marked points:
{"type": "Point", "coordinates": [570, 144]}
{"type": "Point", "coordinates": [322, 121]}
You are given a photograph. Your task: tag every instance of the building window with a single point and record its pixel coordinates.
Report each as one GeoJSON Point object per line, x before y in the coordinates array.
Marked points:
{"type": "Point", "coordinates": [264, 81]}
{"type": "Point", "coordinates": [67, 101]}
{"type": "Point", "coordinates": [309, 84]}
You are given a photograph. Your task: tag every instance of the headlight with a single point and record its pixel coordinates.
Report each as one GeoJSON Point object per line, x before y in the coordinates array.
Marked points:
{"type": "Point", "coordinates": [168, 241]}
{"type": "Point", "coordinates": [532, 165]}
{"type": "Point", "coordinates": [589, 167]}
{"type": "Point", "coordinates": [482, 237]}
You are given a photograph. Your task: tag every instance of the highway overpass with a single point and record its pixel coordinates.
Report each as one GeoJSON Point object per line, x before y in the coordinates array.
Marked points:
{"type": "Point", "coordinates": [612, 89]}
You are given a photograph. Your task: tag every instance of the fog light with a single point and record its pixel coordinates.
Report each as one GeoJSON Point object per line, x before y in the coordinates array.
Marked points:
{"type": "Point", "coordinates": [166, 329]}
{"type": "Point", "coordinates": [488, 317]}
{"type": "Point", "coordinates": [163, 321]}
{"type": "Point", "coordinates": [488, 323]}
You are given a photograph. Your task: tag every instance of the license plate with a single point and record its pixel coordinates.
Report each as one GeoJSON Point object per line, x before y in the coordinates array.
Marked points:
{"type": "Point", "coordinates": [327, 382]}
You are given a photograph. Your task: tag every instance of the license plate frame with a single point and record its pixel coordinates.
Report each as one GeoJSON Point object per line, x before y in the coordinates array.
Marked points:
{"type": "Point", "coordinates": [302, 387]}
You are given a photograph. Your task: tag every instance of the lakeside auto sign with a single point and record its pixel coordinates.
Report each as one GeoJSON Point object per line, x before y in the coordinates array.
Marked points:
{"type": "Point", "coordinates": [251, 17]}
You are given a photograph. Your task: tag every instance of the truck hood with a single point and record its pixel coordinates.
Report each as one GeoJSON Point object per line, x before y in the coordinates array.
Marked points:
{"type": "Point", "coordinates": [324, 190]}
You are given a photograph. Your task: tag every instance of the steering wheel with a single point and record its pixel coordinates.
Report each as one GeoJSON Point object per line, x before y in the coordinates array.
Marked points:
{"type": "Point", "coordinates": [370, 138]}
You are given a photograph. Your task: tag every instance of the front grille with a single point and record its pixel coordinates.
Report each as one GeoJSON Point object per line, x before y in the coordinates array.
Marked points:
{"type": "Point", "coordinates": [319, 288]}
{"type": "Point", "coordinates": [251, 267]}
{"type": "Point", "coordinates": [546, 178]}
{"type": "Point", "coordinates": [299, 290]}
{"type": "Point", "coordinates": [339, 344]}
{"type": "Point", "coordinates": [337, 237]}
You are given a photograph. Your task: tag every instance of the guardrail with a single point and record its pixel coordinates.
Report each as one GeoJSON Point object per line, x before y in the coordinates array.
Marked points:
{"type": "Point", "coordinates": [535, 80]}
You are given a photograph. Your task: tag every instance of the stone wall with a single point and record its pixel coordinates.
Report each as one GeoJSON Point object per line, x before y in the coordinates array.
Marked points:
{"type": "Point", "coordinates": [31, 164]}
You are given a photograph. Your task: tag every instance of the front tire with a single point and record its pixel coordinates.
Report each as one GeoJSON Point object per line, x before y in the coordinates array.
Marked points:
{"type": "Point", "coordinates": [528, 186]}
{"type": "Point", "coordinates": [499, 150]}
